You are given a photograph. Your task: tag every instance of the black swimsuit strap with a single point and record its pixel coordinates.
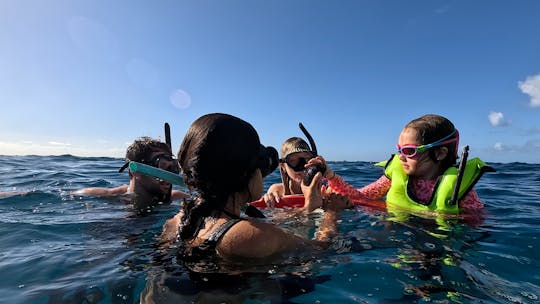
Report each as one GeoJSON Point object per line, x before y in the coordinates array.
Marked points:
{"type": "Point", "coordinates": [220, 231]}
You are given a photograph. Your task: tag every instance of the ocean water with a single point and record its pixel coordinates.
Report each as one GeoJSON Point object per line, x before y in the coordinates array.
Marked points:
{"type": "Point", "coordinates": [56, 247]}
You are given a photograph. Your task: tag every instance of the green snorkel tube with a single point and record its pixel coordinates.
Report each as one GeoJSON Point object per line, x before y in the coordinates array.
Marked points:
{"type": "Point", "coordinates": [167, 176]}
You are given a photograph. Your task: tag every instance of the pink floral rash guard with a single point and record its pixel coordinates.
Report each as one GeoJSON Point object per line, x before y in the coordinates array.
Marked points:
{"type": "Point", "coordinates": [421, 189]}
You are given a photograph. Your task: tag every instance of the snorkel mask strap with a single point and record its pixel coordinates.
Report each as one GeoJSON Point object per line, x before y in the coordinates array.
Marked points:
{"type": "Point", "coordinates": [310, 139]}
{"type": "Point", "coordinates": [457, 143]}
{"type": "Point", "coordinates": [124, 166]}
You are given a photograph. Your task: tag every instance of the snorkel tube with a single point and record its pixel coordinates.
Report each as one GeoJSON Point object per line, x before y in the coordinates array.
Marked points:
{"type": "Point", "coordinates": [167, 176]}
{"type": "Point", "coordinates": [310, 139]}
{"type": "Point", "coordinates": [167, 135]}
{"type": "Point", "coordinates": [311, 171]}
{"type": "Point", "coordinates": [459, 178]}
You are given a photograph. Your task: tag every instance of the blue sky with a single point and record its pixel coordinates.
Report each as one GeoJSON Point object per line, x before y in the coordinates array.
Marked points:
{"type": "Point", "coordinates": [88, 77]}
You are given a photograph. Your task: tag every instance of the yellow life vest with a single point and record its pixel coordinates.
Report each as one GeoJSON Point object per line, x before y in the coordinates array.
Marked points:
{"type": "Point", "coordinates": [398, 197]}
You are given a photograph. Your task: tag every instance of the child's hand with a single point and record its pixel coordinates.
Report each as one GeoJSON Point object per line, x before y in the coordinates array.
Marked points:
{"type": "Point", "coordinates": [312, 194]}
{"type": "Point", "coordinates": [337, 202]}
{"type": "Point", "coordinates": [326, 191]}
{"type": "Point", "coordinates": [271, 198]}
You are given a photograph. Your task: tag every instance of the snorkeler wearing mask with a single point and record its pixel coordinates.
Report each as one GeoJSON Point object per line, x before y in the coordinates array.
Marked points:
{"type": "Point", "coordinates": [295, 155]}
{"type": "Point", "coordinates": [146, 190]}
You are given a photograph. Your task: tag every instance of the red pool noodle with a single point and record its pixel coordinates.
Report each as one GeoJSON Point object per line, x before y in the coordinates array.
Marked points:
{"type": "Point", "coordinates": [297, 201]}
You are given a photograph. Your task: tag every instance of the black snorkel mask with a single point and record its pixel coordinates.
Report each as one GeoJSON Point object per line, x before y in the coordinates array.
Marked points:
{"type": "Point", "coordinates": [267, 160]}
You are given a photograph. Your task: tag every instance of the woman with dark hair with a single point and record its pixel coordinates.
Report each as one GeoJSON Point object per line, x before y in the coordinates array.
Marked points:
{"type": "Point", "coordinates": [223, 163]}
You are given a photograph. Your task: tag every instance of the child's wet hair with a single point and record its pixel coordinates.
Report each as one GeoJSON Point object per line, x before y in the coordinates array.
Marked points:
{"type": "Point", "coordinates": [294, 145]}
{"type": "Point", "coordinates": [432, 127]}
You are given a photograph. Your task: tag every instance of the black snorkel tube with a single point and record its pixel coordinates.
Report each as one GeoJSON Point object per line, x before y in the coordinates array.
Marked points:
{"type": "Point", "coordinates": [168, 135]}
{"type": "Point", "coordinates": [311, 171]}
{"type": "Point", "coordinates": [461, 170]}
{"type": "Point", "coordinates": [310, 139]}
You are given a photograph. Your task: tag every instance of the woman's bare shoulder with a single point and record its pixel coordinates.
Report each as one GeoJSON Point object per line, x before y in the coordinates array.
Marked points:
{"type": "Point", "coordinates": [256, 239]}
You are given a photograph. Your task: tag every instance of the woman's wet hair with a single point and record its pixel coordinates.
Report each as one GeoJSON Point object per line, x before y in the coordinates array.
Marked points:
{"type": "Point", "coordinates": [431, 128]}
{"type": "Point", "coordinates": [218, 157]}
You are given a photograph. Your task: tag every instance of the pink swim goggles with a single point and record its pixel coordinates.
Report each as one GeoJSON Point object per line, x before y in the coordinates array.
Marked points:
{"type": "Point", "coordinates": [411, 150]}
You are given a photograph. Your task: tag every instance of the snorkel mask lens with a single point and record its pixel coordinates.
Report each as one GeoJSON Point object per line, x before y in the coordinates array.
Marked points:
{"type": "Point", "coordinates": [268, 160]}
{"type": "Point", "coordinates": [299, 165]}
{"type": "Point", "coordinates": [165, 162]}
{"type": "Point", "coordinates": [408, 150]}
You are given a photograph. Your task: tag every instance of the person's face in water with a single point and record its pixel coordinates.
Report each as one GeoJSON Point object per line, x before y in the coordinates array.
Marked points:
{"type": "Point", "coordinates": [158, 189]}
{"type": "Point", "coordinates": [419, 165]}
{"type": "Point", "coordinates": [294, 165]}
